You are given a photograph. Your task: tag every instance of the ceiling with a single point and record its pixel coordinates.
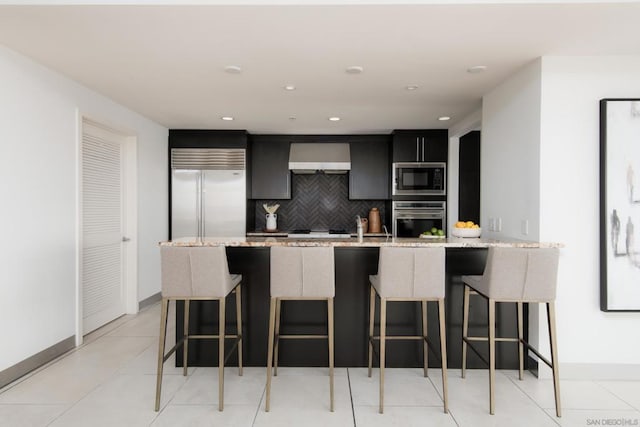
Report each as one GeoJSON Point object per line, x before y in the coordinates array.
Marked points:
{"type": "Point", "coordinates": [167, 62]}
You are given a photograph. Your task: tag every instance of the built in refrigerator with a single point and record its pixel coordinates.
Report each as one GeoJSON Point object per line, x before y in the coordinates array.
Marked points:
{"type": "Point", "coordinates": [208, 192]}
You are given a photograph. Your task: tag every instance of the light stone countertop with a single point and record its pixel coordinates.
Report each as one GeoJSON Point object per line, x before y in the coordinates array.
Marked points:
{"type": "Point", "coordinates": [353, 242]}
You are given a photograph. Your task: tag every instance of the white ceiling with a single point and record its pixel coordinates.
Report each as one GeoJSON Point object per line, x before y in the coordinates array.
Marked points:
{"type": "Point", "coordinates": [167, 62]}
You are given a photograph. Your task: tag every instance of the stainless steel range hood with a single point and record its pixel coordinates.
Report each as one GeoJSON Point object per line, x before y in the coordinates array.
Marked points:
{"type": "Point", "coordinates": [324, 157]}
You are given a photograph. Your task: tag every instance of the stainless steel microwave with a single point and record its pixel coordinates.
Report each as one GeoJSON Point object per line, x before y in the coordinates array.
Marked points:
{"type": "Point", "coordinates": [419, 179]}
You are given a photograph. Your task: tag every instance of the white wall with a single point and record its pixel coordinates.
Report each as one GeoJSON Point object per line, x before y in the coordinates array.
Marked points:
{"type": "Point", "coordinates": [569, 207]}
{"type": "Point", "coordinates": [540, 161]}
{"type": "Point", "coordinates": [510, 161]}
{"type": "Point", "coordinates": [38, 148]}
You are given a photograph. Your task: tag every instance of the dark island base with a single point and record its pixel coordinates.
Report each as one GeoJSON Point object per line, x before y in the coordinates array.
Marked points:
{"type": "Point", "coordinates": [353, 267]}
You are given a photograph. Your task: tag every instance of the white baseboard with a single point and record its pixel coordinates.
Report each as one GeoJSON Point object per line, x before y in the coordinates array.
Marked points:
{"type": "Point", "coordinates": [150, 300]}
{"type": "Point", "coordinates": [599, 371]}
{"type": "Point", "coordinates": [20, 369]}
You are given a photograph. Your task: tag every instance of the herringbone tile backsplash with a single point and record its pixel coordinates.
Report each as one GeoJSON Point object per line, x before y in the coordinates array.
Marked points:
{"type": "Point", "coordinates": [319, 202]}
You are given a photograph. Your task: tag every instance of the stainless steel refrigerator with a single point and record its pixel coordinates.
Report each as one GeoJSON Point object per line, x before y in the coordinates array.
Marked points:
{"type": "Point", "coordinates": [208, 192]}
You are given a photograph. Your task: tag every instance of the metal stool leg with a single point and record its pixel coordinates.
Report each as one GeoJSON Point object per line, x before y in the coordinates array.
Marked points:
{"type": "Point", "coordinates": [465, 328]}
{"type": "Point", "coordinates": [520, 342]}
{"type": "Point", "coordinates": [239, 325]}
{"type": "Point", "coordinates": [383, 328]}
{"type": "Point", "coordinates": [161, 343]}
{"type": "Point", "coordinates": [551, 319]}
{"type": "Point", "coordinates": [185, 345]}
{"type": "Point", "coordinates": [372, 312]}
{"type": "Point", "coordinates": [272, 321]}
{"type": "Point", "coordinates": [277, 338]}
{"type": "Point", "coordinates": [424, 341]}
{"type": "Point", "coordinates": [492, 355]}
{"type": "Point", "coordinates": [221, 333]}
{"type": "Point", "coordinates": [330, 338]}
{"type": "Point", "coordinates": [443, 352]}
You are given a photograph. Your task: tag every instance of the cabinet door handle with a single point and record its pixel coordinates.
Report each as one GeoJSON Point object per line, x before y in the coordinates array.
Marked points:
{"type": "Point", "coordinates": [417, 148]}
{"type": "Point", "coordinates": [423, 148]}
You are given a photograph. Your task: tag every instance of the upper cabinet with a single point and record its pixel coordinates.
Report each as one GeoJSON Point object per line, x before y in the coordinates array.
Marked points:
{"type": "Point", "coordinates": [196, 138]}
{"type": "Point", "coordinates": [369, 175]}
{"type": "Point", "coordinates": [270, 176]}
{"type": "Point", "coordinates": [420, 145]}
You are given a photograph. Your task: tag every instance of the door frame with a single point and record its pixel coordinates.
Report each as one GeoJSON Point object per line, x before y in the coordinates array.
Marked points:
{"type": "Point", "coordinates": [129, 217]}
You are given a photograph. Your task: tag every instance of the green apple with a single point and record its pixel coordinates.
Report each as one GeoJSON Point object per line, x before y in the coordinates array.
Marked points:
{"type": "Point", "coordinates": [434, 230]}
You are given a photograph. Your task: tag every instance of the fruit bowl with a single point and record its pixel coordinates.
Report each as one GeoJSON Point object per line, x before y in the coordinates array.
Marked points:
{"type": "Point", "coordinates": [466, 232]}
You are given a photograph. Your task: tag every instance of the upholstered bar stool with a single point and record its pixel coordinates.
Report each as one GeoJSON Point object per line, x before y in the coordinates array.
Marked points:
{"type": "Point", "coordinates": [300, 273]}
{"type": "Point", "coordinates": [520, 275]}
{"type": "Point", "coordinates": [198, 273]}
{"type": "Point", "coordinates": [408, 274]}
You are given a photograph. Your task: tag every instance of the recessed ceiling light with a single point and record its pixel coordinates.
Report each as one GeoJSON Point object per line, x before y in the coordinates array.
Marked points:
{"type": "Point", "coordinates": [444, 118]}
{"type": "Point", "coordinates": [227, 118]}
{"type": "Point", "coordinates": [233, 69]}
{"type": "Point", "coordinates": [411, 87]}
{"type": "Point", "coordinates": [289, 87]}
{"type": "Point", "coordinates": [354, 69]}
{"type": "Point", "coordinates": [476, 69]}
{"type": "Point", "coordinates": [334, 119]}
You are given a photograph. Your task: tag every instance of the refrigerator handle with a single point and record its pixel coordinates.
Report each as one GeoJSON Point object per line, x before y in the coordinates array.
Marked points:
{"type": "Point", "coordinates": [199, 203]}
{"type": "Point", "coordinates": [203, 196]}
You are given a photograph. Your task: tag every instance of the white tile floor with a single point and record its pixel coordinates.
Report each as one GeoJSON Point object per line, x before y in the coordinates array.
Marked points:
{"type": "Point", "coordinates": [110, 381]}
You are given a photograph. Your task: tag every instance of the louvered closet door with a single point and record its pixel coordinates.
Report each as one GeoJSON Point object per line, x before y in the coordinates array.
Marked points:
{"type": "Point", "coordinates": [102, 227]}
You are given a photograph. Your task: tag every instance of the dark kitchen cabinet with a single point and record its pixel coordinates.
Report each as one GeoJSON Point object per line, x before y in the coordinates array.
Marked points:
{"type": "Point", "coordinates": [197, 138]}
{"type": "Point", "coordinates": [270, 176]}
{"type": "Point", "coordinates": [369, 175]}
{"type": "Point", "coordinates": [430, 145]}
{"type": "Point", "coordinates": [469, 177]}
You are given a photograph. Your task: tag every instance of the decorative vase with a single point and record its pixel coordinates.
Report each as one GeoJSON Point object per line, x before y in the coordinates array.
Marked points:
{"type": "Point", "coordinates": [272, 222]}
{"type": "Point", "coordinates": [374, 221]}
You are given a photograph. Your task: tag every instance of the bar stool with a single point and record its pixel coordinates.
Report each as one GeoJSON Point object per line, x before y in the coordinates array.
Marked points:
{"type": "Point", "coordinates": [300, 273]}
{"type": "Point", "coordinates": [198, 273]}
{"type": "Point", "coordinates": [514, 275]}
{"type": "Point", "coordinates": [408, 274]}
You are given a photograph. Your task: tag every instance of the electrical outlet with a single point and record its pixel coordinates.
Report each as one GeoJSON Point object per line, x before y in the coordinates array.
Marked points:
{"type": "Point", "coordinates": [498, 225]}
{"type": "Point", "coordinates": [525, 227]}
{"type": "Point", "coordinates": [492, 224]}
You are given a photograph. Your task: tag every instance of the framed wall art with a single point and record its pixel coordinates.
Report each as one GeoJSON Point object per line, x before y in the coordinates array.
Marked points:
{"type": "Point", "coordinates": [619, 204]}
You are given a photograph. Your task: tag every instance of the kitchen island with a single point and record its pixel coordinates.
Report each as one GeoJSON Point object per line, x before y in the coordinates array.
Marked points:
{"type": "Point", "coordinates": [355, 260]}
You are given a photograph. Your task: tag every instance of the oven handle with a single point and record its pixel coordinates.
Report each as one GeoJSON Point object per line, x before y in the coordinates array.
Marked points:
{"type": "Point", "coordinates": [418, 215]}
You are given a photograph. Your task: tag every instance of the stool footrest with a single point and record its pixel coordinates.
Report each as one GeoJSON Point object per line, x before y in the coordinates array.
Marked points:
{"type": "Point", "coordinates": [537, 353]}
{"type": "Point", "coordinates": [400, 337]}
{"type": "Point", "coordinates": [407, 337]}
{"type": "Point", "coordinates": [237, 339]}
{"type": "Point", "coordinates": [173, 349]}
{"type": "Point", "coordinates": [498, 339]}
{"type": "Point", "coordinates": [205, 337]}
{"type": "Point", "coordinates": [301, 337]}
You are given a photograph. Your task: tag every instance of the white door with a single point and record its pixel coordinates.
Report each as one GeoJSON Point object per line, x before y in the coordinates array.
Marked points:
{"type": "Point", "coordinates": [102, 272]}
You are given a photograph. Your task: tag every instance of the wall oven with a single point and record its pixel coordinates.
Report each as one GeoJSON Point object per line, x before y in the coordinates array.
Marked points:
{"type": "Point", "coordinates": [412, 218]}
{"type": "Point", "coordinates": [419, 179]}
